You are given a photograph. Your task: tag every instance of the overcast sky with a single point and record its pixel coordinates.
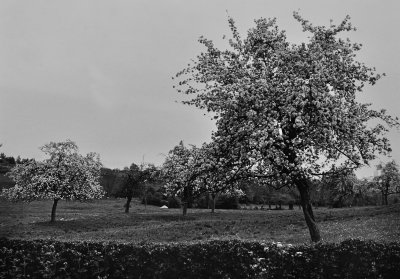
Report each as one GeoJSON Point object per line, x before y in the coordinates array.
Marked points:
{"type": "Point", "coordinates": [99, 72]}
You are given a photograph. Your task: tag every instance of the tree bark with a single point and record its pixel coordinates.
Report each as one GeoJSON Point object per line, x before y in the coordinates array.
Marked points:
{"type": "Point", "coordinates": [214, 199]}
{"type": "Point", "coordinates": [128, 204]}
{"type": "Point", "coordinates": [386, 198]}
{"type": "Point", "coordinates": [184, 208]}
{"type": "Point", "coordinates": [145, 196]}
{"type": "Point", "coordinates": [304, 188]}
{"type": "Point", "coordinates": [53, 211]}
{"type": "Point", "coordinates": [185, 200]}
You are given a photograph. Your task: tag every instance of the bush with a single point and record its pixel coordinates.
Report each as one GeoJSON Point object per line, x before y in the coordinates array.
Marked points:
{"type": "Point", "coordinates": [227, 202]}
{"type": "Point", "coordinates": [156, 199]}
{"type": "Point", "coordinates": [174, 202]}
{"type": "Point", "coordinates": [212, 259]}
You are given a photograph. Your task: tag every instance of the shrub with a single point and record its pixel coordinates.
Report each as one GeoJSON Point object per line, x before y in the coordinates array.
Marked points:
{"type": "Point", "coordinates": [211, 259]}
{"type": "Point", "coordinates": [227, 202]}
{"type": "Point", "coordinates": [156, 199]}
{"type": "Point", "coordinates": [174, 202]}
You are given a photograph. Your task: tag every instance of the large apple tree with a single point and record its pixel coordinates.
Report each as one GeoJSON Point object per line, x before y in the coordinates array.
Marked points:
{"type": "Point", "coordinates": [289, 111]}
{"type": "Point", "coordinates": [64, 175]}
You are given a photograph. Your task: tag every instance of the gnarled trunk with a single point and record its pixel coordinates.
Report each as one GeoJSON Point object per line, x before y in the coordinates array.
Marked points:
{"type": "Point", "coordinates": [53, 210]}
{"type": "Point", "coordinates": [303, 185]}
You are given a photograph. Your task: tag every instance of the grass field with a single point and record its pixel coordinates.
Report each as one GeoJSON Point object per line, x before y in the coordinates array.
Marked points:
{"type": "Point", "coordinates": [104, 220]}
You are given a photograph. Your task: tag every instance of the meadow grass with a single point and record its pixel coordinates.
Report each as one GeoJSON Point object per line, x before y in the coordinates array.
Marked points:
{"type": "Point", "coordinates": [104, 220]}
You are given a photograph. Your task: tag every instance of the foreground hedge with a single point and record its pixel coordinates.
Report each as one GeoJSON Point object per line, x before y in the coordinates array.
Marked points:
{"type": "Point", "coordinates": [213, 259]}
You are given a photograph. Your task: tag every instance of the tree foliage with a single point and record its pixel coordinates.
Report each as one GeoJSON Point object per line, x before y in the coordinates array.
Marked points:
{"type": "Point", "coordinates": [181, 173]}
{"type": "Point", "coordinates": [388, 182]}
{"type": "Point", "coordinates": [135, 180]}
{"type": "Point", "coordinates": [191, 171]}
{"type": "Point", "coordinates": [341, 187]}
{"type": "Point", "coordinates": [288, 112]}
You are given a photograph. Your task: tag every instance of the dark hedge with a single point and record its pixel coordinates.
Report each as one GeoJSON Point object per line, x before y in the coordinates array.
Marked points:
{"type": "Point", "coordinates": [212, 259]}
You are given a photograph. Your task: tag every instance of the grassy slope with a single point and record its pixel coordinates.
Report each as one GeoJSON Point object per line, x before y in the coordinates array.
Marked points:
{"type": "Point", "coordinates": [104, 220]}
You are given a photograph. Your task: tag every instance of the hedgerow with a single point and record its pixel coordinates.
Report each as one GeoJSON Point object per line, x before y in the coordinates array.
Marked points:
{"type": "Point", "coordinates": [211, 259]}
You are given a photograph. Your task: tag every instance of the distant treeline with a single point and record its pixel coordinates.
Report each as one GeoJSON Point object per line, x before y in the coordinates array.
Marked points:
{"type": "Point", "coordinates": [330, 192]}
{"type": "Point", "coordinates": [6, 163]}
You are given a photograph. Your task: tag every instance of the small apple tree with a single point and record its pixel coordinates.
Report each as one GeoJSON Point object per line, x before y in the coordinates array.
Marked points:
{"type": "Point", "coordinates": [190, 172]}
{"type": "Point", "coordinates": [181, 171]}
{"type": "Point", "coordinates": [65, 175]}
{"type": "Point", "coordinates": [219, 173]}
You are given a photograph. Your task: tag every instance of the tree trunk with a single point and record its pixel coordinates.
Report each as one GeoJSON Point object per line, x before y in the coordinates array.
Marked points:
{"type": "Point", "coordinates": [304, 188]}
{"type": "Point", "coordinates": [386, 198]}
{"type": "Point", "coordinates": [128, 204]}
{"type": "Point", "coordinates": [53, 211]}
{"type": "Point", "coordinates": [186, 199]}
{"type": "Point", "coordinates": [184, 208]}
{"type": "Point", "coordinates": [214, 200]}
{"type": "Point", "coordinates": [145, 197]}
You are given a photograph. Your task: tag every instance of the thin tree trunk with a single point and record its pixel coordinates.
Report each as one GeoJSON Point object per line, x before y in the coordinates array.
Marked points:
{"type": "Point", "coordinates": [214, 200]}
{"type": "Point", "coordinates": [383, 198]}
{"type": "Point", "coordinates": [145, 196]}
{"type": "Point", "coordinates": [304, 188]}
{"type": "Point", "coordinates": [128, 204]}
{"type": "Point", "coordinates": [184, 208]}
{"type": "Point", "coordinates": [185, 200]}
{"type": "Point", "coordinates": [53, 211]}
{"type": "Point", "coordinates": [386, 198]}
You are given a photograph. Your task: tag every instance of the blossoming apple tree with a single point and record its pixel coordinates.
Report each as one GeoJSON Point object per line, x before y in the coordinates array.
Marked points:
{"type": "Point", "coordinates": [190, 172]}
{"type": "Point", "coordinates": [219, 173]}
{"type": "Point", "coordinates": [289, 111]}
{"type": "Point", "coordinates": [65, 175]}
{"type": "Point", "coordinates": [181, 172]}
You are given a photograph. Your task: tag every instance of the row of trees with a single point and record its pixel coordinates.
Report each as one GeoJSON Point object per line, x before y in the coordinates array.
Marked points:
{"type": "Point", "coordinates": [10, 160]}
{"type": "Point", "coordinates": [347, 189]}
{"type": "Point", "coordinates": [186, 174]}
